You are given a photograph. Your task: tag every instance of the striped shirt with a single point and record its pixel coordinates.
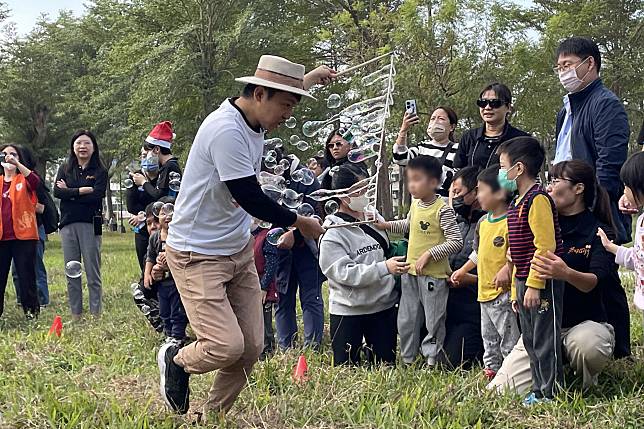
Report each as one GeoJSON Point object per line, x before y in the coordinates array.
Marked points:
{"type": "Point", "coordinates": [447, 220]}
{"type": "Point", "coordinates": [533, 228]}
{"type": "Point", "coordinates": [402, 157]}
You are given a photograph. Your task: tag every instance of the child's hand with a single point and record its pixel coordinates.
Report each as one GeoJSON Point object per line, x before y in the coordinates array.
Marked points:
{"type": "Point", "coordinates": [381, 225]}
{"type": "Point", "coordinates": [456, 277]}
{"type": "Point", "coordinates": [532, 298]}
{"type": "Point", "coordinates": [397, 265]}
{"type": "Point", "coordinates": [161, 259]}
{"type": "Point", "coordinates": [421, 262]}
{"type": "Point", "coordinates": [157, 272]}
{"type": "Point", "coordinates": [606, 242]}
{"type": "Point", "coordinates": [147, 280]}
{"type": "Point", "coordinates": [503, 279]}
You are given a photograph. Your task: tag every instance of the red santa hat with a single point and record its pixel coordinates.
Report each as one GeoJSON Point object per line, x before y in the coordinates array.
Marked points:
{"type": "Point", "coordinates": [161, 135]}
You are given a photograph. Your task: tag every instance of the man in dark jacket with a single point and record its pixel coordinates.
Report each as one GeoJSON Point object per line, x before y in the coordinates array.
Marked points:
{"type": "Point", "coordinates": [592, 125]}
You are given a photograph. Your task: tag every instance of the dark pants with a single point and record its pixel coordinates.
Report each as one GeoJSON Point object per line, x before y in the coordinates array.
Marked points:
{"type": "Point", "coordinates": [378, 331]}
{"type": "Point", "coordinates": [141, 245]}
{"type": "Point", "coordinates": [147, 301]}
{"type": "Point", "coordinates": [41, 271]}
{"type": "Point", "coordinates": [541, 328]}
{"type": "Point", "coordinates": [305, 276]}
{"type": "Point", "coordinates": [463, 346]}
{"type": "Point", "coordinates": [23, 252]}
{"type": "Point", "coordinates": [269, 335]}
{"type": "Point", "coordinates": [171, 311]}
{"type": "Point", "coordinates": [619, 317]}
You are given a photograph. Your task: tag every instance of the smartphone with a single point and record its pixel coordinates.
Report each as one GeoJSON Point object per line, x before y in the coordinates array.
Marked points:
{"type": "Point", "coordinates": [410, 106]}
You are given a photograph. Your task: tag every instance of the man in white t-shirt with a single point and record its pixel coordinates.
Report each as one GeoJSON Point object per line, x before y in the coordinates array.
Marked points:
{"type": "Point", "coordinates": [209, 246]}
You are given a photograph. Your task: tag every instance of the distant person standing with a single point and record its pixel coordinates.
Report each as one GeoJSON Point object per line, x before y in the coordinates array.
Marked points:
{"type": "Point", "coordinates": [158, 145]}
{"type": "Point", "coordinates": [592, 125]}
{"type": "Point", "coordinates": [80, 185]}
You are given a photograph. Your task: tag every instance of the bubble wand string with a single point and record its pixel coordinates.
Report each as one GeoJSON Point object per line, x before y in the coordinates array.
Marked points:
{"type": "Point", "coordinates": [356, 67]}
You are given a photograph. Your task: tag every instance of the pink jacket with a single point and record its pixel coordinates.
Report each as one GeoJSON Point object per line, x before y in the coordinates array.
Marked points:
{"type": "Point", "coordinates": [633, 259]}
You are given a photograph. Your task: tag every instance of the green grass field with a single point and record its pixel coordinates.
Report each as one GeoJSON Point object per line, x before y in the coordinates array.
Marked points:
{"type": "Point", "coordinates": [103, 373]}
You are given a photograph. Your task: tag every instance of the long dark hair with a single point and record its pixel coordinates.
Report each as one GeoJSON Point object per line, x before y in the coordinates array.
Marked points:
{"type": "Point", "coordinates": [453, 119]}
{"type": "Point", "coordinates": [20, 152]}
{"type": "Point", "coordinates": [72, 161]}
{"type": "Point", "coordinates": [596, 198]}
{"type": "Point", "coordinates": [327, 153]}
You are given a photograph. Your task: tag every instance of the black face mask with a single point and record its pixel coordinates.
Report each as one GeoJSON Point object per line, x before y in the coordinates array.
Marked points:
{"type": "Point", "coordinates": [459, 206]}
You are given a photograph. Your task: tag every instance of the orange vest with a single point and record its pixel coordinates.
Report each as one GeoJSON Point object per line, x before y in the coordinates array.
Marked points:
{"type": "Point", "coordinates": [23, 209]}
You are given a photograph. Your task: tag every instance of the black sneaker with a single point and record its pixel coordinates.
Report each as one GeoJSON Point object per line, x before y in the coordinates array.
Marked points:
{"type": "Point", "coordinates": [174, 386]}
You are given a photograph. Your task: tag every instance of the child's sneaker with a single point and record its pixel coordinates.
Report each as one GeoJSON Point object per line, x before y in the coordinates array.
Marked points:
{"type": "Point", "coordinates": [532, 400]}
{"type": "Point", "coordinates": [489, 373]}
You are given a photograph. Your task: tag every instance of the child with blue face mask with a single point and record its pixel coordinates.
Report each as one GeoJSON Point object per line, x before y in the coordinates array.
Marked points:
{"type": "Point", "coordinates": [533, 229]}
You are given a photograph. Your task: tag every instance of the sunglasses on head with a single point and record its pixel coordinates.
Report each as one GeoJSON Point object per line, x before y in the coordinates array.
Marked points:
{"type": "Point", "coordinates": [494, 103]}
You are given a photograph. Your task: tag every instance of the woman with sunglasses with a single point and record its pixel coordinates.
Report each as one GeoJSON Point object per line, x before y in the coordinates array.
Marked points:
{"type": "Point", "coordinates": [478, 146]}
{"type": "Point", "coordinates": [590, 333]}
{"type": "Point", "coordinates": [442, 144]}
{"type": "Point", "coordinates": [336, 153]}
{"type": "Point", "coordinates": [18, 228]}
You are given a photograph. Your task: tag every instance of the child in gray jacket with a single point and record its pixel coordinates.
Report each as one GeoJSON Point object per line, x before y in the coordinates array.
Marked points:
{"type": "Point", "coordinates": [362, 297]}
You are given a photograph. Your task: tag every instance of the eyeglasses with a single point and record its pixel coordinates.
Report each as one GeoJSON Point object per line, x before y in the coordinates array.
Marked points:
{"type": "Point", "coordinates": [556, 180]}
{"type": "Point", "coordinates": [564, 68]}
{"type": "Point", "coordinates": [494, 103]}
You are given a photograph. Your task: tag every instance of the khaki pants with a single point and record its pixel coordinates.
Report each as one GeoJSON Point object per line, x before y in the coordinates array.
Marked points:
{"type": "Point", "coordinates": [588, 347]}
{"type": "Point", "coordinates": [222, 298]}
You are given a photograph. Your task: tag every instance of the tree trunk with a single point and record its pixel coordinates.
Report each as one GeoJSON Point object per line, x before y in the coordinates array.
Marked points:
{"type": "Point", "coordinates": [108, 202]}
{"type": "Point", "coordinates": [384, 204]}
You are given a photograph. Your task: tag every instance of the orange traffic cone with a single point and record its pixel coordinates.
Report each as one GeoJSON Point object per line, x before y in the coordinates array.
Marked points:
{"type": "Point", "coordinates": [56, 326]}
{"type": "Point", "coordinates": [301, 369]}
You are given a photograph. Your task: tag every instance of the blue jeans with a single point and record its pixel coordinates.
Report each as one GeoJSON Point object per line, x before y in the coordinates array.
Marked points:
{"type": "Point", "coordinates": [302, 273]}
{"type": "Point", "coordinates": [41, 271]}
{"type": "Point", "coordinates": [171, 310]}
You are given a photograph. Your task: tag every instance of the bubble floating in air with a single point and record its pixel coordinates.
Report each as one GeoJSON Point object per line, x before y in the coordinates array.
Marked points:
{"type": "Point", "coordinates": [128, 183]}
{"type": "Point", "coordinates": [331, 207]}
{"type": "Point", "coordinates": [292, 199]}
{"type": "Point", "coordinates": [334, 101]}
{"type": "Point", "coordinates": [279, 170]}
{"type": "Point", "coordinates": [167, 209]}
{"type": "Point", "coordinates": [156, 208]}
{"type": "Point", "coordinates": [290, 122]}
{"type": "Point", "coordinates": [294, 139]}
{"type": "Point", "coordinates": [285, 163]}
{"type": "Point", "coordinates": [302, 145]}
{"type": "Point", "coordinates": [174, 185]}
{"type": "Point", "coordinates": [306, 210]}
{"type": "Point", "coordinates": [273, 143]}
{"type": "Point", "coordinates": [273, 192]}
{"type": "Point", "coordinates": [273, 236]}
{"type": "Point", "coordinates": [73, 269]}
{"type": "Point", "coordinates": [270, 162]}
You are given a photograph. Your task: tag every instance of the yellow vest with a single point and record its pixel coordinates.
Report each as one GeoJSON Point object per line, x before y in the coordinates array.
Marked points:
{"type": "Point", "coordinates": [425, 232]}
{"type": "Point", "coordinates": [492, 248]}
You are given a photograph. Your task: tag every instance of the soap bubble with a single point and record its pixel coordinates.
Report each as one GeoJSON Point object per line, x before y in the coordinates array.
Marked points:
{"type": "Point", "coordinates": [73, 269]}
{"type": "Point", "coordinates": [263, 224]}
{"type": "Point", "coordinates": [273, 192]}
{"type": "Point", "coordinates": [174, 185]}
{"type": "Point", "coordinates": [292, 199]}
{"type": "Point", "coordinates": [308, 177]}
{"type": "Point", "coordinates": [167, 209]}
{"type": "Point", "coordinates": [302, 145]}
{"type": "Point", "coordinates": [278, 170]}
{"type": "Point", "coordinates": [334, 101]}
{"type": "Point", "coordinates": [290, 122]}
{"type": "Point", "coordinates": [270, 154]}
{"type": "Point", "coordinates": [320, 153]}
{"type": "Point", "coordinates": [294, 139]}
{"type": "Point", "coordinates": [266, 178]}
{"type": "Point", "coordinates": [362, 153]}
{"type": "Point", "coordinates": [331, 207]}
{"type": "Point", "coordinates": [128, 183]}
{"type": "Point", "coordinates": [274, 142]}
{"type": "Point", "coordinates": [370, 213]}
{"type": "Point", "coordinates": [270, 162]}
{"type": "Point", "coordinates": [156, 208]}
{"type": "Point", "coordinates": [321, 195]}
{"type": "Point", "coordinates": [311, 128]}
{"type": "Point", "coordinates": [285, 163]}
{"type": "Point", "coordinates": [306, 210]}
{"type": "Point", "coordinates": [175, 175]}
{"type": "Point", "coordinates": [274, 235]}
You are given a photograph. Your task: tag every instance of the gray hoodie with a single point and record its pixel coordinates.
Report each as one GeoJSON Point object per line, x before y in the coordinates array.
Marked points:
{"type": "Point", "coordinates": [354, 264]}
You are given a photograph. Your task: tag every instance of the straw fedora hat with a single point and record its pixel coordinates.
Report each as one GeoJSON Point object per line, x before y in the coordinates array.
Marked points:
{"type": "Point", "coordinates": [278, 73]}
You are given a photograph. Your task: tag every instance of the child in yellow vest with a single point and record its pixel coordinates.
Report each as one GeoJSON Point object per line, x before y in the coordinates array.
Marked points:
{"type": "Point", "coordinates": [499, 327]}
{"type": "Point", "coordinates": [433, 236]}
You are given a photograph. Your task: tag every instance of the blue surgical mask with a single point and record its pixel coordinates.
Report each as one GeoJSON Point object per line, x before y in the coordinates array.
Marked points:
{"type": "Point", "coordinates": [150, 164]}
{"type": "Point", "coordinates": [509, 185]}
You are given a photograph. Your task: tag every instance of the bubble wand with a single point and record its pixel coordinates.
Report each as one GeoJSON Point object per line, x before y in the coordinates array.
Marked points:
{"type": "Point", "coordinates": [356, 67]}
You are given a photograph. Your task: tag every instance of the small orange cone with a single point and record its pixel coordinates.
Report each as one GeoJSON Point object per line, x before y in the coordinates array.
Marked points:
{"type": "Point", "coordinates": [301, 369]}
{"type": "Point", "coordinates": [56, 326]}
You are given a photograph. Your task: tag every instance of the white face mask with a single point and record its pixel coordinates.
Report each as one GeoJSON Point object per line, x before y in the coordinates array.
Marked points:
{"type": "Point", "coordinates": [358, 204]}
{"type": "Point", "coordinates": [8, 166]}
{"type": "Point", "coordinates": [569, 79]}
